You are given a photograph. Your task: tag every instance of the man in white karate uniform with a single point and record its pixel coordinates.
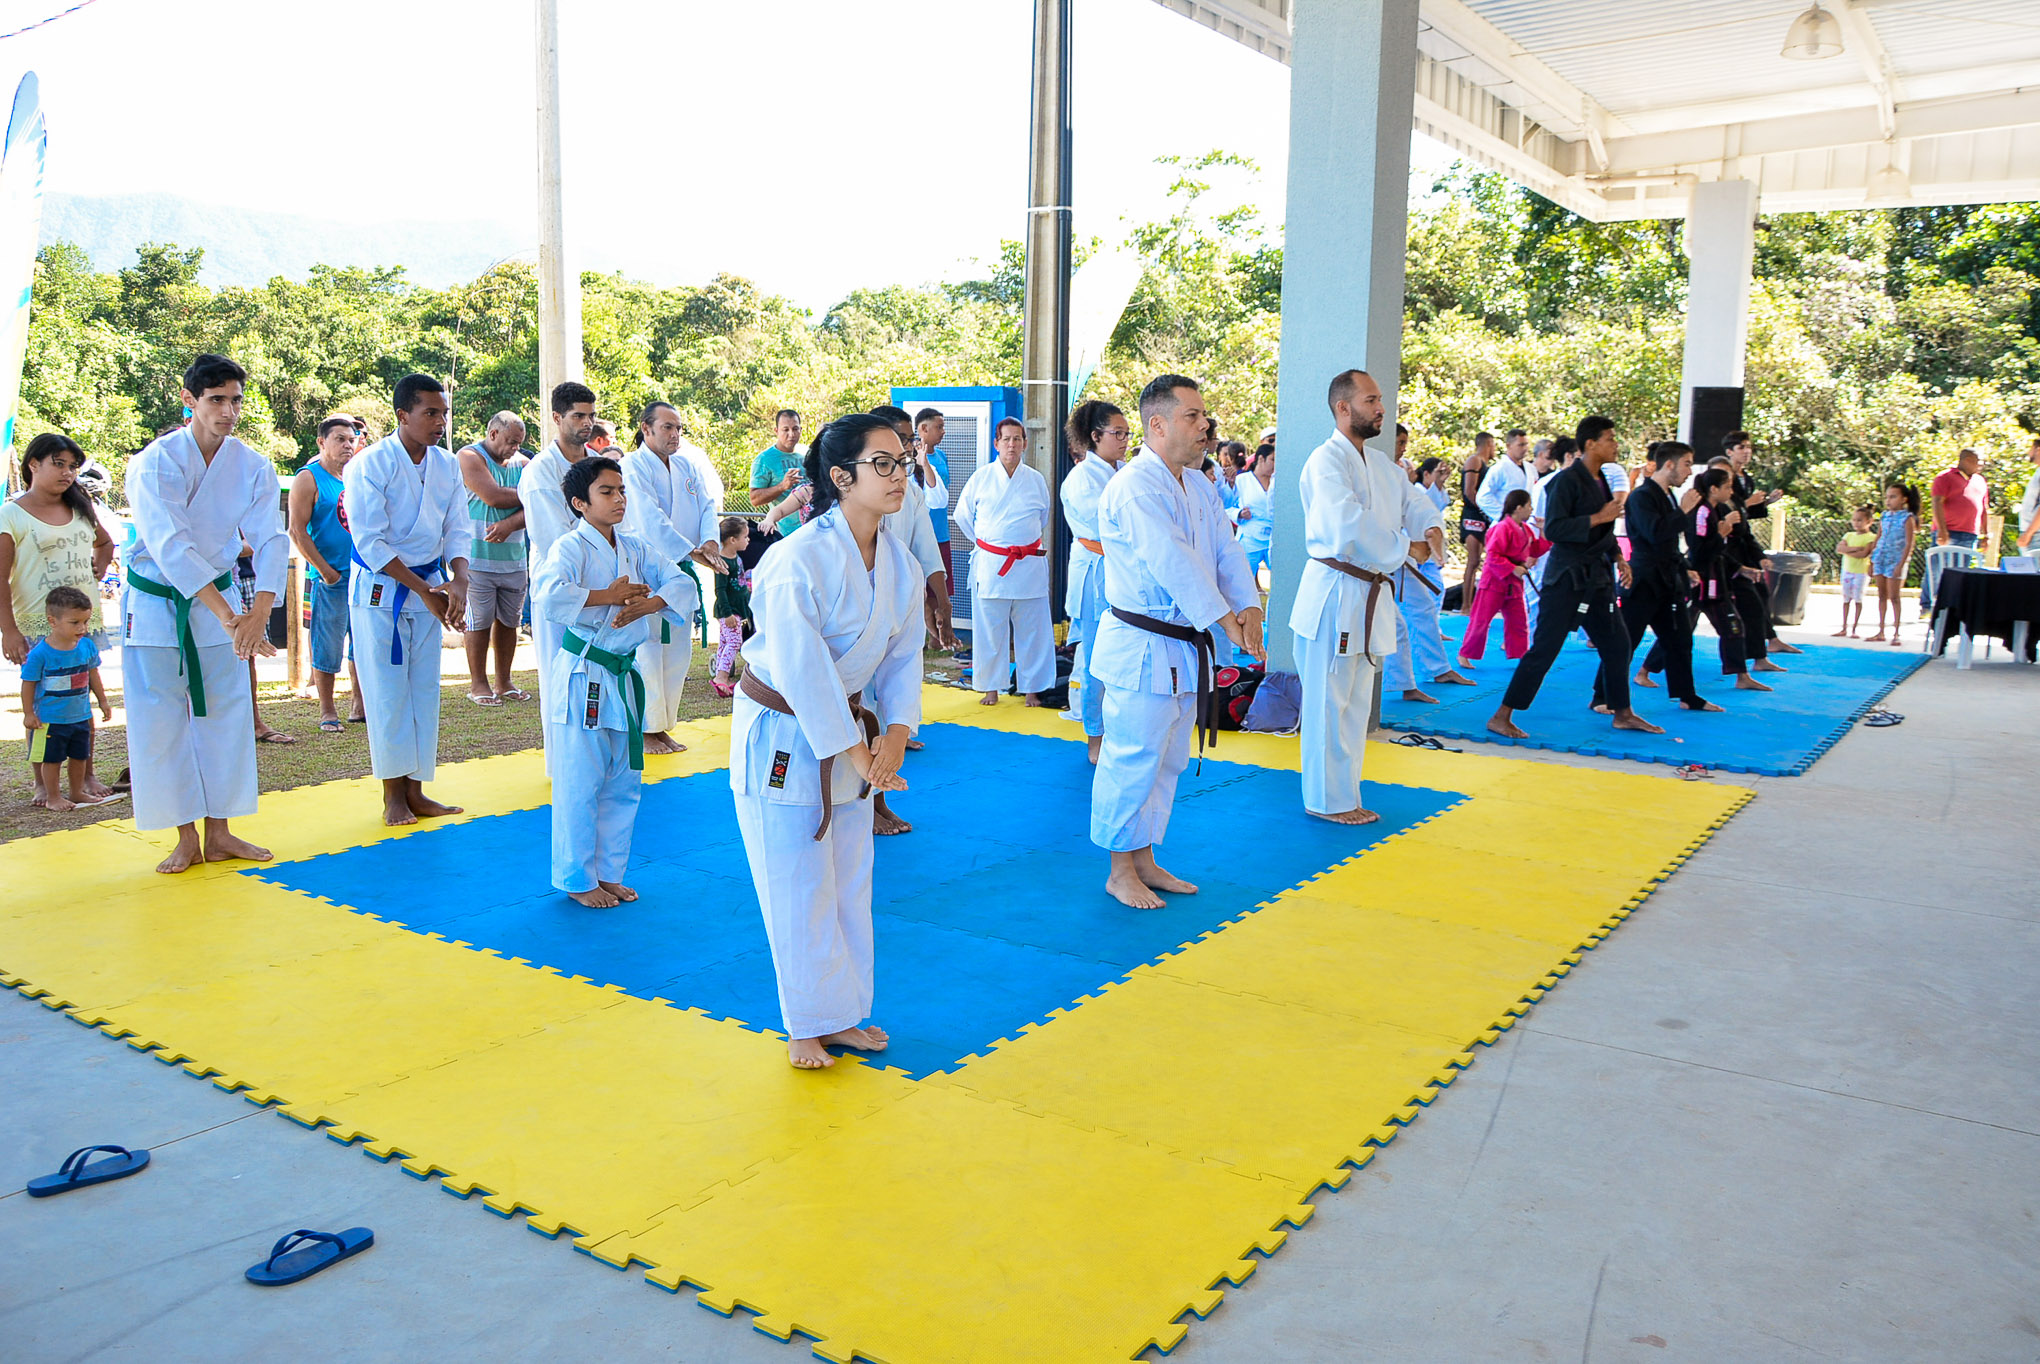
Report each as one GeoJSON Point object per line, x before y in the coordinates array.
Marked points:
{"type": "Point", "coordinates": [1506, 475]}
{"type": "Point", "coordinates": [603, 587]}
{"type": "Point", "coordinates": [1004, 509]}
{"type": "Point", "coordinates": [668, 508]}
{"type": "Point", "coordinates": [195, 495]}
{"type": "Point", "coordinates": [546, 517]}
{"type": "Point", "coordinates": [407, 511]}
{"type": "Point", "coordinates": [1173, 574]}
{"type": "Point", "coordinates": [1354, 503]}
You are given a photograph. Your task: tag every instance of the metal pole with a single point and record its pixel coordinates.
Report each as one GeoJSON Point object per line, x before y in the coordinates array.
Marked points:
{"type": "Point", "coordinates": [1045, 342]}
{"type": "Point", "coordinates": [559, 291]}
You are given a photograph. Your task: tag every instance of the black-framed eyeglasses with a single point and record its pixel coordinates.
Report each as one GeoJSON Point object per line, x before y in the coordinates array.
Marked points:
{"type": "Point", "coordinates": [885, 466]}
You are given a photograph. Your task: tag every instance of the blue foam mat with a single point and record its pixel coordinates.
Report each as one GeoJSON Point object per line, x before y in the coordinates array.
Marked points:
{"type": "Point", "coordinates": [1780, 733]}
{"type": "Point", "coordinates": [991, 914]}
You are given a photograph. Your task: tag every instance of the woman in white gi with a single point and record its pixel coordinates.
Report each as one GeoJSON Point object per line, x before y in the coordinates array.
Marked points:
{"type": "Point", "coordinates": [1099, 432]}
{"type": "Point", "coordinates": [838, 611]}
{"type": "Point", "coordinates": [407, 511]}
{"type": "Point", "coordinates": [195, 495]}
{"type": "Point", "coordinates": [672, 511]}
{"type": "Point", "coordinates": [601, 588]}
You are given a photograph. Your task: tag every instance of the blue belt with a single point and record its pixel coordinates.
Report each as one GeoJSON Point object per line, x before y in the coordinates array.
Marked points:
{"type": "Point", "coordinates": [397, 602]}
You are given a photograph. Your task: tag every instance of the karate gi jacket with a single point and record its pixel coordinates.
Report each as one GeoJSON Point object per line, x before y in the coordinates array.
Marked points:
{"type": "Point", "coordinates": [1353, 510]}
{"type": "Point", "coordinates": [827, 628]}
{"type": "Point", "coordinates": [1655, 525]}
{"type": "Point", "coordinates": [583, 694]}
{"type": "Point", "coordinates": [546, 514]}
{"type": "Point", "coordinates": [190, 518]}
{"type": "Point", "coordinates": [1504, 476]}
{"type": "Point", "coordinates": [1081, 489]}
{"type": "Point", "coordinates": [1582, 555]}
{"type": "Point", "coordinates": [913, 527]}
{"type": "Point", "coordinates": [666, 506]}
{"type": "Point", "coordinates": [416, 513]}
{"type": "Point", "coordinates": [1010, 511]}
{"type": "Point", "coordinates": [1169, 554]}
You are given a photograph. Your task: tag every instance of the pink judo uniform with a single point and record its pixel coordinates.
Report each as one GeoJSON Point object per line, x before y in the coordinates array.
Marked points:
{"type": "Point", "coordinates": [1509, 542]}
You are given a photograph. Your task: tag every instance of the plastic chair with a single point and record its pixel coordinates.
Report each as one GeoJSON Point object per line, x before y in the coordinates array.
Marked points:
{"type": "Point", "coordinates": [1941, 558]}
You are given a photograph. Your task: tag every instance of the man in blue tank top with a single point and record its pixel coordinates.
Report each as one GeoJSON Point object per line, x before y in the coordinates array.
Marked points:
{"type": "Point", "coordinates": [318, 527]}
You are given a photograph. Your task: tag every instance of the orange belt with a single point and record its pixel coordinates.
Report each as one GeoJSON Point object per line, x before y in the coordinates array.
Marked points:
{"type": "Point", "coordinates": [1091, 545]}
{"type": "Point", "coordinates": [1014, 553]}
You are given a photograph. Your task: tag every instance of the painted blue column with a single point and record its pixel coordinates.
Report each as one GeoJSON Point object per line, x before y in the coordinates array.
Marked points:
{"type": "Point", "coordinates": [1352, 95]}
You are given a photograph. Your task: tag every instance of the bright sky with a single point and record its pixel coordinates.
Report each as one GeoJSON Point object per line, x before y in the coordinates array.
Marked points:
{"type": "Point", "coordinates": [698, 137]}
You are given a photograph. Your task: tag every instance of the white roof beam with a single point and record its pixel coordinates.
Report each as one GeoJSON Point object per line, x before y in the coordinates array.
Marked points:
{"type": "Point", "coordinates": [1557, 102]}
{"type": "Point", "coordinates": [1859, 36]}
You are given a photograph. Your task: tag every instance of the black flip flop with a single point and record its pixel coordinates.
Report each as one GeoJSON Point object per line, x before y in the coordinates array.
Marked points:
{"type": "Point", "coordinates": [76, 1173]}
{"type": "Point", "coordinates": [304, 1253]}
{"type": "Point", "coordinates": [1422, 741]}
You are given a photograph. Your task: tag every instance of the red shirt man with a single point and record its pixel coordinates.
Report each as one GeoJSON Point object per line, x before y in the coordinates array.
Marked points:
{"type": "Point", "coordinates": [1960, 498]}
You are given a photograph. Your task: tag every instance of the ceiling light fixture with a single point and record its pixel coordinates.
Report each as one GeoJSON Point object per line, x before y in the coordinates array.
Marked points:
{"type": "Point", "coordinates": [1813, 35]}
{"type": "Point", "coordinates": [1890, 184]}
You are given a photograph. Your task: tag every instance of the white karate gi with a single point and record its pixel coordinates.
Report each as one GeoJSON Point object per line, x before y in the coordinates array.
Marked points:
{"type": "Point", "coordinates": [416, 513]}
{"type": "Point", "coordinates": [827, 628]}
{"type": "Point", "coordinates": [190, 518]}
{"type": "Point", "coordinates": [704, 469]}
{"type": "Point", "coordinates": [1539, 491]}
{"type": "Point", "coordinates": [594, 788]}
{"type": "Point", "coordinates": [913, 527]}
{"type": "Point", "coordinates": [1353, 509]}
{"type": "Point", "coordinates": [1169, 554]}
{"type": "Point", "coordinates": [546, 518]}
{"type": "Point", "coordinates": [1085, 598]}
{"type": "Point", "coordinates": [666, 506]}
{"type": "Point", "coordinates": [1419, 648]}
{"type": "Point", "coordinates": [1010, 511]}
{"type": "Point", "coordinates": [1504, 476]}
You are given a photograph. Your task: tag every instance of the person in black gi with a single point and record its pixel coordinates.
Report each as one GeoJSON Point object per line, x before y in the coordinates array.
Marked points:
{"type": "Point", "coordinates": [1661, 581]}
{"type": "Point", "coordinates": [1579, 589]}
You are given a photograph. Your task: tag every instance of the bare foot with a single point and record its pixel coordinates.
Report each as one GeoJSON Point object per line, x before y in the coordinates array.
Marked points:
{"type": "Point", "coordinates": [425, 807]}
{"type": "Point", "coordinates": [1354, 816]}
{"type": "Point", "coordinates": [59, 803]}
{"type": "Point", "coordinates": [1034, 698]}
{"type": "Point", "coordinates": [1642, 679]}
{"type": "Point", "coordinates": [1765, 665]}
{"type": "Point", "coordinates": [1839, 634]}
{"type": "Point", "coordinates": [806, 1053]}
{"type": "Point", "coordinates": [597, 898]}
{"type": "Point", "coordinates": [1744, 682]}
{"type": "Point", "coordinates": [1601, 708]}
{"type": "Point", "coordinates": [662, 742]}
{"type": "Point", "coordinates": [1779, 646]}
{"type": "Point", "coordinates": [915, 745]}
{"type": "Point", "coordinates": [1877, 638]}
{"type": "Point", "coordinates": [225, 847]}
{"type": "Point", "coordinates": [1131, 891]}
{"type": "Point", "coordinates": [878, 1035]}
{"type": "Point", "coordinates": [1894, 638]}
{"type": "Point", "coordinates": [1094, 742]}
{"type": "Point", "coordinates": [396, 812]}
{"type": "Point", "coordinates": [1508, 729]}
{"type": "Point", "coordinates": [885, 823]}
{"type": "Point", "coordinates": [183, 857]}
{"type": "Point", "coordinates": [1453, 679]}
{"type": "Point", "coordinates": [1629, 719]}
{"type": "Point", "coordinates": [1156, 879]}
{"type": "Point", "coordinates": [990, 698]}
{"type": "Point", "coordinates": [97, 789]}
{"type": "Point", "coordinates": [1420, 698]}
{"type": "Point", "coordinates": [857, 1039]}
{"type": "Point", "coordinates": [1465, 662]}
{"type": "Point", "coordinates": [619, 890]}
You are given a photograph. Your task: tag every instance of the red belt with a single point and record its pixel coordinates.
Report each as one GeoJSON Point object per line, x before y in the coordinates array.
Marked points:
{"type": "Point", "coordinates": [1014, 553]}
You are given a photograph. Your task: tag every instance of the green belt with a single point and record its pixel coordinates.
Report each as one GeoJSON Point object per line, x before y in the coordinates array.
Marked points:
{"type": "Point", "coordinates": [629, 681]}
{"type": "Point", "coordinates": [194, 679]}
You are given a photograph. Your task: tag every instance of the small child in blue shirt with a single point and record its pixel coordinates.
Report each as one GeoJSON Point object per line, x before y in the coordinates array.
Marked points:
{"type": "Point", "coordinates": [56, 678]}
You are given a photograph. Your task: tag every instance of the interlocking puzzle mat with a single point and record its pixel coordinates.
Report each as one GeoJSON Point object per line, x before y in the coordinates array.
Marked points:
{"type": "Point", "coordinates": [1072, 1188]}
{"type": "Point", "coordinates": [1780, 733]}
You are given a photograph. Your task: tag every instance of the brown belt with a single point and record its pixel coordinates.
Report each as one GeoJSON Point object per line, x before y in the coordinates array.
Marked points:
{"type": "Point", "coordinates": [1092, 545]}
{"type": "Point", "coordinates": [1375, 582]}
{"type": "Point", "coordinates": [772, 700]}
{"type": "Point", "coordinates": [1207, 651]}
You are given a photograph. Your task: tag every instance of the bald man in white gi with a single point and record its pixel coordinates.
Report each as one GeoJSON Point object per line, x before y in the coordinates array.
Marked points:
{"type": "Point", "coordinates": [1354, 504]}
{"type": "Point", "coordinates": [667, 507]}
{"type": "Point", "coordinates": [1004, 509]}
{"type": "Point", "coordinates": [1173, 574]}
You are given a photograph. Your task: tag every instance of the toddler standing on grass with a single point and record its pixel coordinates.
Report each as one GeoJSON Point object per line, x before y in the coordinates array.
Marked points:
{"type": "Point", "coordinates": [1895, 535]}
{"type": "Point", "coordinates": [732, 601]}
{"type": "Point", "coordinates": [59, 681]}
{"type": "Point", "coordinates": [1855, 568]}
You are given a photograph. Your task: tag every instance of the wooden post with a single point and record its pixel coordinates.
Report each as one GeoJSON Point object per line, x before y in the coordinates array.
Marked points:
{"type": "Point", "coordinates": [559, 291]}
{"type": "Point", "coordinates": [1993, 535]}
{"type": "Point", "coordinates": [1777, 530]}
{"type": "Point", "coordinates": [297, 650]}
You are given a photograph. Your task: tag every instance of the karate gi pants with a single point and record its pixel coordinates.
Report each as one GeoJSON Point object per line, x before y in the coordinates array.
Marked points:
{"type": "Point", "coordinates": [594, 805]}
{"type": "Point", "coordinates": [1090, 691]}
{"type": "Point", "coordinates": [400, 699]}
{"type": "Point", "coordinates": [1146, 748]}
{"type": "Point", "coordinates": [1569, 604]}
{"type": "Point", "coordinates": [1010, 631]}
{"type": "Point", "coordinates": [816, 898]}
{"type": "Point", "coordinates": [545, 642]}
{"type": "Point", "coordinates": [1338, 697]}
{"type": "Point", "coordinates": [1663, 609]}
{"type": "Point", "coordinates": [1419, 648]}
{"type": "Point", "coordinates": [1741, 639]}
{"type": "Point", "coordinates": [664, 667]}
{"type": "Point", "coordinates": [187, 768]}
{"type": "Point", "coordinates": [1497, 597]}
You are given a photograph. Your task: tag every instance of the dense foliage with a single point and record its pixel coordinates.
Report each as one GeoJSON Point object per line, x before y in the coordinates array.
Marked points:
{"type": "Point", "coordinates": [1880, 341]}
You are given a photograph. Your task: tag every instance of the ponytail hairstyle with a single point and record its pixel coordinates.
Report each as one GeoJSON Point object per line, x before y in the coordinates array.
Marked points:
{"type": "Point", "coordinates": [1711, 478]}
{"type": "Point", "coordinates": [49, 445]}
{"type": "Point", "coordinates": [838, 445]}
{"type": "Point", "coordinates": [1516, 498]}
{"type": "Point", "coordinates": [1910, 493]}
{"type": "Point", "coordinates": [1087, 421]}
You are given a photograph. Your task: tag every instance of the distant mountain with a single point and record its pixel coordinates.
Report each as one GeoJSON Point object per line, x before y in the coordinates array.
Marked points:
{"type": "Point", "coordinates": [246, 247]}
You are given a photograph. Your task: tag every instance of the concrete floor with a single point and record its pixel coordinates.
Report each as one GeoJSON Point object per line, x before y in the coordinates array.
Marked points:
{"type": "Point", "coordinates": [1787, 1112]}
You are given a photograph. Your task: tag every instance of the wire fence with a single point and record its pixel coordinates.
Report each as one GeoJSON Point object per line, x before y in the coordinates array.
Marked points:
{"type": "Point", "coordinates": [1822, 535]}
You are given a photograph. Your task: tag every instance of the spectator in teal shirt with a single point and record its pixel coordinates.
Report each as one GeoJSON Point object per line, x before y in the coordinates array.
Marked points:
{"type": "Point", "coordinates": [779, 468]}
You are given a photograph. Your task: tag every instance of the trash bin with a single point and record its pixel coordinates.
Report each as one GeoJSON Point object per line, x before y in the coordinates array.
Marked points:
{"type": "Point", "coordinates": [1789, 577]}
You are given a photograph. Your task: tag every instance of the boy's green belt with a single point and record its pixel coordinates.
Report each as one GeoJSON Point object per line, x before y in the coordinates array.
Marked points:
{"type": "Point", "coordinates": [194, 679]}
{"type": "Point", "coordinates": [629, 681]}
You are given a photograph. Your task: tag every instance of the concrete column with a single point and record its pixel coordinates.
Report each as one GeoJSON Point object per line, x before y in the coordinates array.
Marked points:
{"type": "Point", "coordinates": [1045, 326]}
{"type": "Point", "coordinates": [1720, 249]}
{"type": "Point", "coordinates": [559, 288]}
{"type": "Point", "coordinates": [1352, 94]}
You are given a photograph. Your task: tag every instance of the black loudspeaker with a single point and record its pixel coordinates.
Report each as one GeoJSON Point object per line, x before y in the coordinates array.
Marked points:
{"type": "Point", "coordinates": [1716, 412]}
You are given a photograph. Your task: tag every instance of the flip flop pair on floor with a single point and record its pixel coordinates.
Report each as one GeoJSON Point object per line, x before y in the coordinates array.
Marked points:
{"type": "Point", "coordinates": [297, 1256]}
{"type": "Point", "coordinates": [1880, 718]}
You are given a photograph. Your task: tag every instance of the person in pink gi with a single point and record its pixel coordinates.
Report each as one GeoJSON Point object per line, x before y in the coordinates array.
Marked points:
{"type": "Point", "coordinates": [1511, 548]}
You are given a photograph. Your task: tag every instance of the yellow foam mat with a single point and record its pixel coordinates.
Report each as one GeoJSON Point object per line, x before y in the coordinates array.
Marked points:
{"type": "Point", "coordinates": [1070, 1194]}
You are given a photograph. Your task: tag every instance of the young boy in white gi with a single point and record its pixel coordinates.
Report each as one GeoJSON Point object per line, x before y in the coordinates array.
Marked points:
{"type": "Point", "coordinates": [600, 588]}
{"type": "Point", "coordinates": [671, 510]}
{"type": "Point", "coordinates": [407, 510]}
{"type": "Point", "coordinates": [195, 495]}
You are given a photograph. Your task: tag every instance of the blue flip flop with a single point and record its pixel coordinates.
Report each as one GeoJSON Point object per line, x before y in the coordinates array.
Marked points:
{"type": "Point", "coordinates": [75, 1173]}
{"type": "Point", "coordinates": [304, 1253]}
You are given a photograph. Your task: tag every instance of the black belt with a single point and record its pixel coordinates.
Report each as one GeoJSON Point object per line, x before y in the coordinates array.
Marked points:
{"type": "Point", "coordinates": [1207, 648]}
